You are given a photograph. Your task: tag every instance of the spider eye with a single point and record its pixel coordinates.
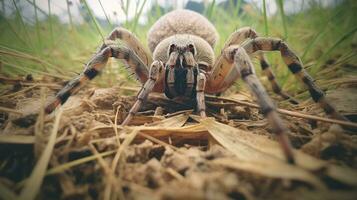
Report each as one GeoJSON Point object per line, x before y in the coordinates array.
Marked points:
{"type": "Point", "coordinates": [172, 48]}
{"type": "Point", "coordinates": [191, 48]}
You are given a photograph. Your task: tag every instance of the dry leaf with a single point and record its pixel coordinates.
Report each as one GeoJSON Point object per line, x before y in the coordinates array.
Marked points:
{"type": "Point", "coordinates": [260, 155]}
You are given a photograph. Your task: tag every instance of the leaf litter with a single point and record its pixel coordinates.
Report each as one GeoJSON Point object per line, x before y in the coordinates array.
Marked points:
{"type": "Point", "coordinates": [167, 152]}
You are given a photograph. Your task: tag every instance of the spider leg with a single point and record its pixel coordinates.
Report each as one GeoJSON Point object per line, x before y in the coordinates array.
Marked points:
{"type": "Point", "coordinates": [200, 95]}
{"type": "Point", "coordinates": [131, 41]}
{"type": "Point", "coordinates": [271, 77]}
{"type": "Point", "coordinates": [244, 66]}
{"type": "Point", "coordinates": [92, 69]}
{"type": "Point", "coordinates": [156, 70]}
{"type": "Point", "coordinates": [224, 75]}
{"type": "Point", "coordinates": [295, 66]}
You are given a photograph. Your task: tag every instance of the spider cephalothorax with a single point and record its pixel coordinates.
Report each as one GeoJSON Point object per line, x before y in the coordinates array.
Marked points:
{"type": "Point", "coordinates": [183, 64]}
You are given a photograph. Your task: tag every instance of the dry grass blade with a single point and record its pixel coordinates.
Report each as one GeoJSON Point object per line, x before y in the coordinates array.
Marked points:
{"type": "Point", "coordinates": [6, 193]}
{"type": "Point", "coordinates": [39, 125]}
{"type": "Point", "coordinates": [115, 125]}
{"type": "Point", "coordinates": [176, 121]}
{"type": "Point", "coordinates": [190, 132]}
{"type": "Point", "coordinates": [68, 165]}
{"type": "Point", "coordinates": [17, 93]}
{"type": "Point", "coordinates": [130, 137]}
{"type": "Point", "coordinates": [17, 139]}
{"type": "Point", "coordinates": [343, 174]}
{"type": "Point", "coordinates": [166, 131]}
{"type": "Point", "coordinates": [110, 176]}
{"type": "Point", "coordinates": [10, 110]}
{"type": "Point", "coordinates": [14, 53]}
{"type": "Point", "coordinates": [34, 71]}
{"type": "Point", "coordinates": [62, 168]}
{"type": "Point", "coordinates": [291, 113]}
{"type": "Point", "coordinates": [158, 141]}
{"type": "Point", "coordinates": [33, 184]}
{"type": "Point", "coordinates": [124, 145]}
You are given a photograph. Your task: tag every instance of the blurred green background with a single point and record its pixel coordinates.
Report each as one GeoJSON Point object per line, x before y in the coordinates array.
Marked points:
{"type": "Point", "coordinates": [56, 38]}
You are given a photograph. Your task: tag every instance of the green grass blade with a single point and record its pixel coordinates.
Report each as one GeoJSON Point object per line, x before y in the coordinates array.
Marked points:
{"type": "Point", "coordinates": [37, 24]}
{"type": "Point", "coordinates": [3, 5]}
{"type": "Point", "coordinates": [237, 8]}
{"type": "Point", "coordinates": [105, 13]}
{"type": "Point", "coordinates": [18, 13]}
{"type": "Point", "coordinates": [320, 33]}
{"type": "Point", "coordinates": [97, 26]}
{"type": "Point", "coordinates": [312, 42]}
{"type": "Point", "coordinates": [333, 47]}
{"type": "Point", "coordinates": [158, 10]}
{"type": "Point", "coordinates": [137, 16]}
{"type": "Point", "coordinates": [283, 17]}
{"type": "Point", "coordinates": [50, 22]}
{"type": "Point", "coordinates": [266, 28]}
{"type": "Point", "coordinates": [69, 15]}
{"type": "Point", "coordinates": [14, 31]}
{"type": "Point", "coordinates": [38, 8]}
{"type": "Point", "coordinates": [210, 9]}
{"type": "Point", "coordinates": [125, 8]}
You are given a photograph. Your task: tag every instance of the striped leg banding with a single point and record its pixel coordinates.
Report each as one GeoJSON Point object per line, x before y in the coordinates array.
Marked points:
{"type": "Point", "coordinates": [94, 67]}
{"type": "Point", "coordinates": [272, 79]}
{"type": "Point", "coordinates": [295, 66]}
{"type": "Point", "coordinates": [131, 41]}
{"type": "Point", "coordinates": [155, 70]}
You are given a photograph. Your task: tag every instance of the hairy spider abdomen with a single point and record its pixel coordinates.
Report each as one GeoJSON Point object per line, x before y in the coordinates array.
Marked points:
{"type": "Point", "coordinates": [181, 22]}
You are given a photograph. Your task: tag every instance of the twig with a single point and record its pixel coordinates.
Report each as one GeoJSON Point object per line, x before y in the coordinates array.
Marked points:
{"type": "Point", "coordinates": [19, 92]}
{"type": "Point", "coordinates": [175, 174]}
{"type": "Point", "coordinates": [149, 137]}
{"type": "Point", "coordinates": [115, 125]}
{"type": "Point", "coordinates": [292, 113]}
{"type": "Point", "coordinates": [10, 110]}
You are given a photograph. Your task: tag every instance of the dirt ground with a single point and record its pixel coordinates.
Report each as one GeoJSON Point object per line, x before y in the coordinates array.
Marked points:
{"type": "Point", "coordinates": [168, 153]}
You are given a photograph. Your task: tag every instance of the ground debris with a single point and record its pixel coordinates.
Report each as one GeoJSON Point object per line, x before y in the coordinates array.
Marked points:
{"type": "Point", "coordinates": [174, 155]}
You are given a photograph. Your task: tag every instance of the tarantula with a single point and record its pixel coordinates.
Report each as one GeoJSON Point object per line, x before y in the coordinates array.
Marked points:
{"type": "Point", "coordinates": [183, 64]}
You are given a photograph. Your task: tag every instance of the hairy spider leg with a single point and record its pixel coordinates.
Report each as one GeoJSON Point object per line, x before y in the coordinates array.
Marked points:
{"type": "Point", "coordinates": [92, 69]}
{"type": "Point", "coordinates": [155, 70]}
{"type": "Point", "coordinates": [200, 94]}
{"type": "Point", "coordinates": [224, 75]}
{"type": "Point", "coordinates": [243, 64]}
{"type": "Point", "coordinates": [295, 66]}
{"type": "Point", "coordinates": [131, 41]}
{"type": "Point", "coordinates": [272, 79]}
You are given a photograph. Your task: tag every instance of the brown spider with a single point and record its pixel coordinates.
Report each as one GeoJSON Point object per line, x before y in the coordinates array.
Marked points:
{"type": "Point", "coordinates": [183, 65]}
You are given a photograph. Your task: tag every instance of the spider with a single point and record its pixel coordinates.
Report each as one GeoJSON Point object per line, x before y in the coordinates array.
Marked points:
{"type": "Point", "coordinates": [183, 64]}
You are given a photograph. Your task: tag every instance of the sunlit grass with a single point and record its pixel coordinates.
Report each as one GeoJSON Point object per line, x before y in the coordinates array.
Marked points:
{"type": "Point", "coordinates": [316, 35]}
